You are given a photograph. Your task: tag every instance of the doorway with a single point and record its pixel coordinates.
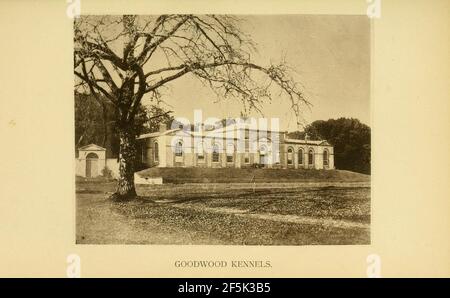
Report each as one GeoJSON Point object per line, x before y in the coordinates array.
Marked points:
{"type": "Point", "coordinates": [91, 165]}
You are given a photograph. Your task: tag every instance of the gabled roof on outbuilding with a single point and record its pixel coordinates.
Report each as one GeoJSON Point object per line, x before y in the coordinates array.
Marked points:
{"type": "Point", "coordinates": [92, 147]}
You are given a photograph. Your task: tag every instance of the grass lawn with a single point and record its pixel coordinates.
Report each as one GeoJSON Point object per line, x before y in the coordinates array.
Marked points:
{"type": "Point", "coordinates": [300, 213]}
{"type": "Point", "coordinates": [250, 175]}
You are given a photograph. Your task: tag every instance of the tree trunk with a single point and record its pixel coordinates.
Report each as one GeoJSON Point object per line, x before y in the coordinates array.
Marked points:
{"type": "Point", "coordinates": [127, 156]}
{"type": "Point", "coordinates": [105, 124]}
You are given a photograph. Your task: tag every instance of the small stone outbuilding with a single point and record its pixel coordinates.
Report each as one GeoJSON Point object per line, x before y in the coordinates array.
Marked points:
{"type": "Point", "coordinates": [91, 161]}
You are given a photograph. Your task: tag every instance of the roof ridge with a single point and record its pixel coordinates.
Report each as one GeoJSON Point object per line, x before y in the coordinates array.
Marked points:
{"type": "Point", "coordinates": [92, 144]}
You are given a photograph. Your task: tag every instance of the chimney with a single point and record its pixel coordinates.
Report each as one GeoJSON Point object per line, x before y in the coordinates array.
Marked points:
{"type": "Point", "coordinates": [162, 127]}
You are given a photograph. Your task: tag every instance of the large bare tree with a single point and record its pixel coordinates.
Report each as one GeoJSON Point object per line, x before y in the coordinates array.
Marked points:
{"type": "Point", "coordinates": [123, 58]}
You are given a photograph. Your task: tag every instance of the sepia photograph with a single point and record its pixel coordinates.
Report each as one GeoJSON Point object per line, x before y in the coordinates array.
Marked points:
{"type": "Point", "coordinates": [222, 129]}
{"type": "Point", "coordinates": [222, 147]}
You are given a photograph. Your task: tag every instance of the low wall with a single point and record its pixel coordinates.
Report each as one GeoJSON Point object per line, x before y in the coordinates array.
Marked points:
{"type": "Point", "coordinates": [113, 165]}
{"type": "Point", "coordinates": [80, 167]}
{"type": "Point", "coordinates": [110, 163]}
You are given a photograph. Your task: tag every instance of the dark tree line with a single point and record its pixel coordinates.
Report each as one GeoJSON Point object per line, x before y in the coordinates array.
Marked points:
{"type": "Point", "coordinates": [95, 122]}
{"type": "Point", "coordinates": [350, 138]}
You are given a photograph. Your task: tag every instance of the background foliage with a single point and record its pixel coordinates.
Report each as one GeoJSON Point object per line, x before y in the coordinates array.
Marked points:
{"type": "Point", "coordinates": [95, 122]}
{"type": "Point", "coordinates": [350, 138]}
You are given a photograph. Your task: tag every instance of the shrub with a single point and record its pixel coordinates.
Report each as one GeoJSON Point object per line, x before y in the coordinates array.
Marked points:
{"type": "Point", "coordinates": [107, 173]}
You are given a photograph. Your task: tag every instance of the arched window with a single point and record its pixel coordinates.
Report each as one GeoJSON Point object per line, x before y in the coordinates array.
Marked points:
{"type": "Point", "coordinates": [300, 156]}
{"type": "Point", "coordinates": [179, 149]}
{"type": "Point", "coordinates": [144, 152]}
{"type": "Point", "coordinates": [290, 155]}
{"type": "Point", "coordinates": [200, 151]}
{"type": "Point", "coordinates": [156, 152]}
{"type": "Point", "coordinates": [230, 152]}
{"type": "Point", "coordinates": [263, 150]}
{"type": "Point", "coordinates": [325, 157]}
{"type": "Point", "coordinates": [311, 157]}
{"type": "Point", "coordinates": [263, 154]}
{"type": "Point", "coordinates": [215, 153]}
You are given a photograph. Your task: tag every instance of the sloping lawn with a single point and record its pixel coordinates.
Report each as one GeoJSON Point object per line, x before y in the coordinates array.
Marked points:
{"type": "Point", "coordinates": [250, 175]}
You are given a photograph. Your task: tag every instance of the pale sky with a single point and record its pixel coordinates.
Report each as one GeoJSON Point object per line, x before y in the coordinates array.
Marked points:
{"type": "Point", "coordinates": [330, 54]}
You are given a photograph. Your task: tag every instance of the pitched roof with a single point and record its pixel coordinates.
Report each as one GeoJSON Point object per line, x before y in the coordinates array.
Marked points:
{"type": "Point", "coordinates": [206, 134]}
{"type": "Point", "coordinates": [239, 125]}
{"type": "Point", "coordinates": [157, 134]}
{"type": "Point", "coordinates": [307, 142]}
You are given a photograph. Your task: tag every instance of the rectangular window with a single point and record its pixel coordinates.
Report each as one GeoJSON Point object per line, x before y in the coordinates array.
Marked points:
{"type": "Point", "coordinates": [229, 158]}
{"type": "Point", "coordinates": [247, 159]}
{"type": "Point", "coordinates": [215, 153]}
{"type": "Point", "coordinates": [215, 157]}
{"type": "Point", "coordinates": [200, 156]}
{"type": "Point", "coordinates": [247, 133]}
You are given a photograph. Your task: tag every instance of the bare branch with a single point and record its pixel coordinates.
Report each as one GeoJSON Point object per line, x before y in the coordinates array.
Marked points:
{"type": "Point", "coordinates": [93, 83]}
{"type": "Point", "coordinates": [149, 46]}
{"type": "Point", "coordinates": [210, 47]}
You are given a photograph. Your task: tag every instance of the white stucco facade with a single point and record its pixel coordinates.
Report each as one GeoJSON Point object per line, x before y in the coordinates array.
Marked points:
{"type": "Point", "coordinates": [92, 160]}
{"type": "Point", "coordinates": [232, 146]}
